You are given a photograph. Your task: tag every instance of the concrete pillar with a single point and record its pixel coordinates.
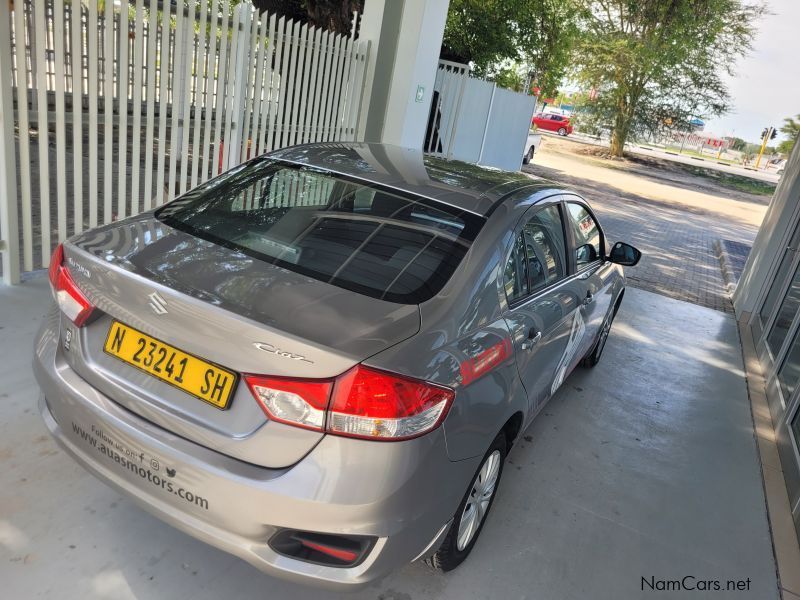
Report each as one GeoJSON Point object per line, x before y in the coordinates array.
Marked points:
{"type": "Point", "coordinates": [406, 38]}
{"type": "Point", "coordinates": [773, 237]}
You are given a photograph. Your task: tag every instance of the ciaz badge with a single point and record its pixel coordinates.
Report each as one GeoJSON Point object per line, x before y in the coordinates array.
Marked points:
{"type": "Point", "coordinates": [282, 353]}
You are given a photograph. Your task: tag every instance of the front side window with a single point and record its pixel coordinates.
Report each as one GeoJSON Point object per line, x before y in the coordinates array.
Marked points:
{"type": "Point", "coordinates": [544, 247]}
{"type": "Point", "coordinates": [351, 234]}
{"type": "Point", "coordinates": [586, 233]}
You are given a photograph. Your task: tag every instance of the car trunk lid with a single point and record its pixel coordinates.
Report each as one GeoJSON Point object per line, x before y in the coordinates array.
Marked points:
{"type": "Point", "coordinates": [226, 308]}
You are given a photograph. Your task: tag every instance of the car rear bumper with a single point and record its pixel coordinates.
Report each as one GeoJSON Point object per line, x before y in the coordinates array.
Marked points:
{"type": "Point", "coordinates": [402, 493]}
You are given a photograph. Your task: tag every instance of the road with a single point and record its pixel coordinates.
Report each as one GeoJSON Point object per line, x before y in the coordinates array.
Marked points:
{"type": "Point", "coordinates": [673, 217]}
{"type": "Point", "coordinates": [707, 163]}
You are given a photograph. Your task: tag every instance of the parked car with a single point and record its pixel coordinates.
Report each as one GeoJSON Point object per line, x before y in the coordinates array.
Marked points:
{"type": "Point", "coordinates": [779, 164]}
{"type": "Point", "coordinates": [553, 122]}
{"type": "Point", "coordinates": [531, 147]}
{"type": "Point", "coordinates": [319, 360]}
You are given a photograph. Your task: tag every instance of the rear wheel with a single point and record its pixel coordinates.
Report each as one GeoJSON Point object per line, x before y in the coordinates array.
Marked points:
{"type": "Point", "coordinates": [562, 131]}
{"type": "Point", "coordinates": [471, 513]}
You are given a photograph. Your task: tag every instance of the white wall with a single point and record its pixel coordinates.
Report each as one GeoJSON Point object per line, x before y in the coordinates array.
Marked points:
{"type": "Point", "coordinates": [772, 239]}
{"type": "Point", "coordinates": [406, 37]}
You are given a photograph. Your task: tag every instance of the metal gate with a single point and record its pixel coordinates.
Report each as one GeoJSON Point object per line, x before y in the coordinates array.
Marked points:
{"type": "Point", "coordinates": [107, 109]}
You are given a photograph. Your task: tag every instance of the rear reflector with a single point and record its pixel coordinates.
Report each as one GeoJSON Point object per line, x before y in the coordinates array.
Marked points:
{"type": "Point", "coordinates": [346, 556]}
{"type": "Point", "coordinates": [71, 300]}
{"type": "Point", "coordinates": [327, 549]}
{"type": "Point", "coordinates": [363, 402]}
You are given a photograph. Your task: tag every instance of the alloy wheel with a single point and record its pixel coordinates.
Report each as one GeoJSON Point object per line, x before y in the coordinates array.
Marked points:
{"type": "Point", "coordinates": [480, 496]}
{"type": "Point", "coordinates": [601, 343]}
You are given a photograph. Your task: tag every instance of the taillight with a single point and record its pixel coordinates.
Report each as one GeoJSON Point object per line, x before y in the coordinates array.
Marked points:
{"type": "Point", "coordinates": [299, 402]}
{"type": "Point", "coordinates": [363, 402]}
{"type": "Point", "coordinates": [373, 404]}
{"type": "Point", "coordinates": [71, 300]}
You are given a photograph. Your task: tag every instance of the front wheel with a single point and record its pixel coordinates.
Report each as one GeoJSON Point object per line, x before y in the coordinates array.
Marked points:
{"type": "Point", "coordinates": [528, 156]}
{"type": "Point", "coordinates": [593, 357]}
{"type": "Point", "coordinates": [562, 131]}
{"type": "Point", "coordinates": [471, 513]}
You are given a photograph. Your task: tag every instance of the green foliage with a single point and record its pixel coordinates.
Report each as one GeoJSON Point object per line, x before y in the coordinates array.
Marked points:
{"type": "Point", "coordinates": [791, 129]}
{"type": "Point", "coordinates": [332, 15]}
{"type": "Point", "coordinates": [786, 147]}
{"type": "Point", "coordinates": [533, 35]}
{"type": "Point", "coordinates": [738, 144]}
{"type": "Point", "coordinates": [658, 63]}
{"type": "Point", "coordinates": [510, 78]}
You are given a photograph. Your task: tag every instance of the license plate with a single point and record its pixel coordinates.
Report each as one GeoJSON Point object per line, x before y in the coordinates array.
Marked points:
{"type": "Point", "coordinates": [195, 376]}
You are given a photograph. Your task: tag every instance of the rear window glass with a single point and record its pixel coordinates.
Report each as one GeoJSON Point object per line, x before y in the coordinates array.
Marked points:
{"type": "Point", "coordinates": [381, 243]}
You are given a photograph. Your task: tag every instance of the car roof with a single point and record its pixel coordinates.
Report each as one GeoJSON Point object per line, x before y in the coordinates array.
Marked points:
{"type": "Point", "coordinates": [467, 186]}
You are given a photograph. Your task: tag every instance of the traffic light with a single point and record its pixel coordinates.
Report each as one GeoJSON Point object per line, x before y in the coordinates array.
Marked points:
{"type": "Point", "coordinates": [774, 134]}
{"type": "Point", "coordinates": [764, 132]}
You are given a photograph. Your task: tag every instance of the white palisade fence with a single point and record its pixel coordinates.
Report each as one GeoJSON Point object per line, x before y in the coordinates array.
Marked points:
{"type": "Point", "coordinates": [476, 121]}
{"type": "Point", "coordinates": [108, 108]}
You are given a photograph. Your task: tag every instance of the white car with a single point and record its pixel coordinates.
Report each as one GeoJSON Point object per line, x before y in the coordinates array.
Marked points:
{"type": "Point", "coordinates": [531, 147]}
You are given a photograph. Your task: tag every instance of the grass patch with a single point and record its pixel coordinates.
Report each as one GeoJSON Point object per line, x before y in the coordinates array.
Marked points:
{"type": "Point", "coordinates": [731, 181]}
{"type": "Point", "coordinates": [599, 155]}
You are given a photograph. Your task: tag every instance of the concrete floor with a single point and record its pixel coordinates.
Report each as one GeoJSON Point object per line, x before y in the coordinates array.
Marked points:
{"type": "Point", "coordinates": [643, 467]}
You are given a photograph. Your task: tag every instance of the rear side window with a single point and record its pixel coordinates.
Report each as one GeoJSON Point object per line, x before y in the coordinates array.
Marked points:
{"type": "Point", "coordinates": [515, 276]}
{"type": "Point", "coordinates": [537, 257]}
{"type": "Point", "coordinates": [353, 235]}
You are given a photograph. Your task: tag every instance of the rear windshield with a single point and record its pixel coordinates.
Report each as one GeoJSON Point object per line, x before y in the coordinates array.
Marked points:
{"type": "Point", "coordinates": [354, 235]}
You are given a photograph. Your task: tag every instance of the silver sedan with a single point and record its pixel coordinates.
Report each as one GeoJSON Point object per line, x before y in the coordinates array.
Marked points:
{"type": "Point", "coordinates": [319, 360]}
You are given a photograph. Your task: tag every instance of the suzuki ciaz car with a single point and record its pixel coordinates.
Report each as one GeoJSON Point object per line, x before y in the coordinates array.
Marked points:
{"type": "Point", "coordinates": [319, 360]}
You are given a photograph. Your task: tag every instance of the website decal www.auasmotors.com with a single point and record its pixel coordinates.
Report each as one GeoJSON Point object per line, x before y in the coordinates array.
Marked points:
{"type": "Point", "coordinates": [135, 463]}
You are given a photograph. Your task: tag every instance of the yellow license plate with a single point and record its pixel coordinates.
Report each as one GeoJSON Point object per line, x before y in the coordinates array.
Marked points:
{"type": "Point", "coordinates": [193, 375]}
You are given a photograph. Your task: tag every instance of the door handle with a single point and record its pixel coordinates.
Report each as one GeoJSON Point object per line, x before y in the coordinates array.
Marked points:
{"type": "Point", "coordinates": [533, 338]}
{"type": "Point", "coordinates": [589, 298]}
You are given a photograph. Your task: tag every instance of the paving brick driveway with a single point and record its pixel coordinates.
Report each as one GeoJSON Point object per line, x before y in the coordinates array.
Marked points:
{"type": "Point", "coordinates": [673, 219]}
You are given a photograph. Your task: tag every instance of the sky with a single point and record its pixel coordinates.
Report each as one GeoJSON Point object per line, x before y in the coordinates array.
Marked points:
{"type": "Point", "coordinates": [766, 88]}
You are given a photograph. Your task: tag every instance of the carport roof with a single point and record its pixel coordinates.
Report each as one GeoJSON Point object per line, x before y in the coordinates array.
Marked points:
{"type": "Point", "coordinates": [467, 186]}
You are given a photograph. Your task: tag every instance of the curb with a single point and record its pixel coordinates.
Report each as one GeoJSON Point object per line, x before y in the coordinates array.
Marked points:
{"type": "Point", "coordinates": [731, 256]}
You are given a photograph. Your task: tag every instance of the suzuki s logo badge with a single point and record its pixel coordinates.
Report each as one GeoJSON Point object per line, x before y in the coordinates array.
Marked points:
{"type": "Point", "coordinates": [158, 304]}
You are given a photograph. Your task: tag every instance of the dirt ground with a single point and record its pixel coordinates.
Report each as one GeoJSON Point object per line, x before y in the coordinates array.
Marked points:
{"type": "Point", "coordinates": [672, 216]}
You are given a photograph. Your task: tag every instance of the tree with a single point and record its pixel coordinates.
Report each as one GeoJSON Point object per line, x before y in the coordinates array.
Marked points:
{"type": "Point", "coordinates": [737, 143]}
{"type": "Point", "coordinates": [509, 78]}
{"type": "Point", "coordinates": [791, 129]}
{"type": "Point", "coordinates": [332, 15]}
{"type": "Point", "coordinates": [533, 35]}
{"type": "Point", "coordinates": [659, 63]}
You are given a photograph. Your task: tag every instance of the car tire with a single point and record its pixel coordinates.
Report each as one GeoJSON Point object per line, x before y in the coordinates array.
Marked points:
{"type": "Point", "coordinates": [593, 357]}
{"type": "Point", "coordinates": [454, 550]}
{"type": "Point", "coordinates": [529, 156]}
{"type": "Point", "coordinates": [562, 131]}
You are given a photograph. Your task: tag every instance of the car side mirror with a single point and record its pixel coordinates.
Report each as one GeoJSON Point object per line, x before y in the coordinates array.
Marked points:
{"type": "Point", "coordinates": [624, 254]}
